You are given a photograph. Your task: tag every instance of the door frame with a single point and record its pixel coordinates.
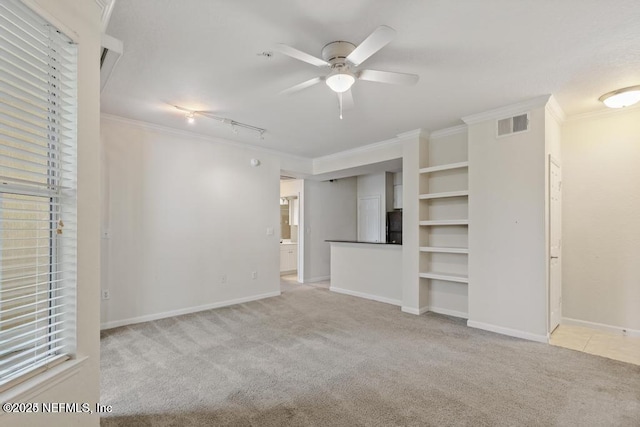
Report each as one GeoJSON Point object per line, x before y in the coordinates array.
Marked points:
{"type": "Point", "coordinates": [553, 162]}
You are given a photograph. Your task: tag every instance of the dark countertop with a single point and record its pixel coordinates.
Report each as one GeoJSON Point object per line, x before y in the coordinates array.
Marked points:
{"type": "Point", "coordinates": [366, 243]}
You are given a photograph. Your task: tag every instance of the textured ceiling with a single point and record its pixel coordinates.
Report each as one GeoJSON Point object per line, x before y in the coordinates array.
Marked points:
{"type": "Point", "coordinates": [471, 56]}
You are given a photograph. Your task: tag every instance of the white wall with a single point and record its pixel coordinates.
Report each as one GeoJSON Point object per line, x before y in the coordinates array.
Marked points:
{"type": "Point", "coordinates": [184, 211]}
{"type": "Point", "coordinates": [507, 240]}
{"type": "Point", "coordinates": [329, 213]}
{"type": "Point", "coordinates": [81, 21]}
{"type": "Point", "coordinates": [601, 219]}
{"type": "Point", "coordinates": [372, 271]}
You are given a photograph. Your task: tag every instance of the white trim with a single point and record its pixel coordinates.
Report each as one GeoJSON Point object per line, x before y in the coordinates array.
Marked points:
{"type": "Point", "coordinates": [416, 133]}
{"type": "Point", "coordinates": [606, 112]}
{"type": "Point", "coordinates": [508, 110]}
{"type": "Point", "coordinates": [416, 311]}
{"type": "Point", "coordinates": [556, 110]}
{"type": "Point", "coordinates": [172, 313]}
{"type": "Point", "coordinates": [358, 150]}
{"type": "Point", "coordinates": [448, 312]}
{"type": "Point", "coordinates": [507, 331]}
{"type": "Point", "coordinates": [601, 326]}
{"type": "Point", "coordinates": [454, 130]}
{"type": "Point", "coordinates": [412, 134]}
{"type": "Point", "coordinates": [366, 296]}
{"type": "Point", "coordinates": [200, 136]}
{"type": "Point", "coordinates": [106, 8]}
{"type": "Point", "coordinates": [42, 382]}
{"type": "Point", "coordinates": [317, 279]}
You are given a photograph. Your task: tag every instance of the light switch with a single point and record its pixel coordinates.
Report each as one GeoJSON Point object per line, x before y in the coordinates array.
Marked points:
{"type": "Point", "coordinates": [269, 231]}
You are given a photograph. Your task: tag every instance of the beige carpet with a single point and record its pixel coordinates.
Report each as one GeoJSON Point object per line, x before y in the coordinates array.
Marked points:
{"type": "Point", "coordinates": [312, 357]}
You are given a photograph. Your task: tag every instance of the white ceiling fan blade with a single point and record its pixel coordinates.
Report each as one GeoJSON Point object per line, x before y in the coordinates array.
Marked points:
{"type": "Point", "coordinates": [380, 37]}
{"type": "Point", "coordinates": [300, 55]}
{"type": "Point", "coordinates": [347, 100]}
{"type": "Point", "coordinates": [388, 77]}
{"type": "Point", "coordinates": [302, 86]}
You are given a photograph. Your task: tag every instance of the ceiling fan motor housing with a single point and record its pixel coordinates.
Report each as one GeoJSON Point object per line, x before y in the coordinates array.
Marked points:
{"type": "Point", "coordinates": [335, 53]}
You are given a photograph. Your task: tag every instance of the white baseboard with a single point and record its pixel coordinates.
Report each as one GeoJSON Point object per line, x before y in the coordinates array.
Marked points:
{"type": "Point", "coordinates": [317, 279]}
{"type": "Point", "coordinates": [507, 331]}
{"type": "Point", "coordinates": [188, 310]}
{"type": "Point", "coordinates": [619, 330]}
{"type": "Point", "coordinates": [416, 311]}
{"type": "Point", "coordinates": [366, 296]}
{"type": "Point", "coordinates": [448, 312]}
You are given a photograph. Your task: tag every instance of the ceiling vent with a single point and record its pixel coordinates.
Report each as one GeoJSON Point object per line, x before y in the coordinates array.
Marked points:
{"type": "Point", "coordinates": [511, 125]}
{"type": "Point", "coordinates": [111, 53]}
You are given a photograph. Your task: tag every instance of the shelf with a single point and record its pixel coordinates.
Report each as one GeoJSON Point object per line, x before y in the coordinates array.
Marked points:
{"type": "Point", "coordinates": [448, 277]}
{"type": "Point", "coordinates": [445, 167]}
{"type": "Point", "coordinates": [445, 222]}
{"type": "Point", "coordinates": [444, 250]}
{"type": "Point", "coordinates": [462, 193]}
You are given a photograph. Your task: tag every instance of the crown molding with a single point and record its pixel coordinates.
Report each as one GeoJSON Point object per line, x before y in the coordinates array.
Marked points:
{"type": "Point", "coordinates": [556, 110]}
{"type": "Point", "coordinates": [606, 112]}
{"type": "Point", "coordinates": [508, 110]}
{"type": "Point", "coordinates": [195, 135]}
{"type": "Point", "coordinates": [106, 7]}
{"type": "Point", "coordinates": [454, 130]}
{"type": "Point", "coordinates": [362, 149]}
{"type": "Point", "coordinates": [412, 134]}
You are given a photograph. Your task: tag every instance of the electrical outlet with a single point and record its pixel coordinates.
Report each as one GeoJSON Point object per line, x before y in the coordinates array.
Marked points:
{"type": "Point", "coordinates": [223, 279]}
{"type": "Point", "coordinates": [254, 275]}
{"type": "Point", "coordinates": [106, 294]}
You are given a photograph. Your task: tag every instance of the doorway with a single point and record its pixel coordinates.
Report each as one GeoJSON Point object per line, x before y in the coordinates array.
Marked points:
{"type": "Point", "coordinates": [292, 229]}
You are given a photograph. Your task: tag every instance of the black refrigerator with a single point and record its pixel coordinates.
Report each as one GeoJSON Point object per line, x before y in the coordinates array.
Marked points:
{"type": "Point", "coordinates": [394, 227]}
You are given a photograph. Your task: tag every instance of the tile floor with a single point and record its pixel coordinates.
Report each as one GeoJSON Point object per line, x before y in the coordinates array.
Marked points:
{"type": "Point", "coordinates": [601, 343]}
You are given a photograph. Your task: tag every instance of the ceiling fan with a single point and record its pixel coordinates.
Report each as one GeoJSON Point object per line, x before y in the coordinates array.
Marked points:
{"type": "Point", "coordinates": [343, 58]}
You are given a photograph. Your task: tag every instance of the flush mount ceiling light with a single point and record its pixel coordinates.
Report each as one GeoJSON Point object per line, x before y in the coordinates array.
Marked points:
{"type": "Point", "coordinates": [190, 115]}
{"type": "Point", "coordinates": [622, 97]}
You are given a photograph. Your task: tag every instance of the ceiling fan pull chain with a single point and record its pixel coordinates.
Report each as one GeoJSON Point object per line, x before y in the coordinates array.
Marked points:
{"type": "Point", "coordinates": [340, 102]}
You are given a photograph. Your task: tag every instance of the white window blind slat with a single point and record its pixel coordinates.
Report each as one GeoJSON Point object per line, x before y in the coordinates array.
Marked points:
{"type": "Point", "coordinates": [27, 340]}
{"type": "Point", "coordinates": [28, 317]}
{"type": "Point", "coordinates": [48, 348]}
{"type": "Point", "coordinates": [37, 193]}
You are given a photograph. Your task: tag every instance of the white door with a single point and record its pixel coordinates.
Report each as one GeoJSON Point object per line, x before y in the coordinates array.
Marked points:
{"type": "Point", "coordinates": [555, 245]}
{"type": "Point", "coordinates": [369, 219]}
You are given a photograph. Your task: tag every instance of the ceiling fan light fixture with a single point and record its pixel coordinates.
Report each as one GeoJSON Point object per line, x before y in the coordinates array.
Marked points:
{"type": "Point", "coordinates": [622, 97]}
{"type": "Point", "coordinates": [340, 81]}
{"type": "Point", "coordinates": [191, 118]}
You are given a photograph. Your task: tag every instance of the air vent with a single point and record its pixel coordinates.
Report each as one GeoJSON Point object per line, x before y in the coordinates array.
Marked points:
{"type": "Point", "coordinates": [111, 53]}
{"type": "Point", "coordinates": [515, 124]}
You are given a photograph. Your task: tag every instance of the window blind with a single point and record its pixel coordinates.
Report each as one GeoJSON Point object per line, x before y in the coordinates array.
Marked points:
{"type": "Point", "coordinates": [37, 193]}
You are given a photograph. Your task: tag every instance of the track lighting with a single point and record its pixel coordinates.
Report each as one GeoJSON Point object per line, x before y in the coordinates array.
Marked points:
{"type": "Point", "coordinates": [622, 97]}
{"type": "Point", "coordinates": [191, 114]}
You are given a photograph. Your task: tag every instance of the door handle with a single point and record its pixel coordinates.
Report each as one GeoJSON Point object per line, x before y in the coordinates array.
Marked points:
{"type": "Point", "coordinates": [554, 257]}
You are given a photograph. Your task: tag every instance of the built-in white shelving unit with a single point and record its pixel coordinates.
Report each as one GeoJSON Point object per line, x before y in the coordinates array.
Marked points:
{"type": "Point", "coordinates": [444, 250]}
{"type": "Point", "coordinates": [448, 277]}
{"type": "Point", "coordinates": [445, 222]}
{"type": "Point", "coordinates": [449, 166]}
{"type": "Point", "coordinates": [443, 219]}
{"type": "Point", "coordinates": [443, 195]}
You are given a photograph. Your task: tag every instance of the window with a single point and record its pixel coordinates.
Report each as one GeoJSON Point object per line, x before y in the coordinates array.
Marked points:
{"type": "Point", "coordinates": [37, 194]}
